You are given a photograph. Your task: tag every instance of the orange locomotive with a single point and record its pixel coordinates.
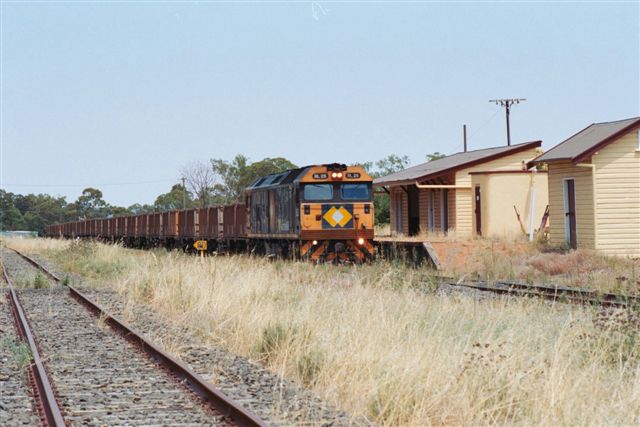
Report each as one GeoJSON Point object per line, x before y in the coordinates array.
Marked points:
{"type": "Point", "coordinates": [321, 213]}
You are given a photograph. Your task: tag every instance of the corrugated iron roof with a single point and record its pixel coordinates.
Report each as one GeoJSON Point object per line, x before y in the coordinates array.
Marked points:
{"type": "Point", "coordinates": [451, 163]}
{"type": "Point", "coordinates": [588, 140]}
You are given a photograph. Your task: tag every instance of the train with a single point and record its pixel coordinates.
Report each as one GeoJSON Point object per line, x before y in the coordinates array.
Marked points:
{"type": "Point", "coordinates": [322, 213]}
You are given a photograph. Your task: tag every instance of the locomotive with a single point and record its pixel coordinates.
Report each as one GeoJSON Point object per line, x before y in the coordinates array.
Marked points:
{"type": "Point", "coordinates": [321, 213]}
{"type": "Point", "coordinates": [315, 212]}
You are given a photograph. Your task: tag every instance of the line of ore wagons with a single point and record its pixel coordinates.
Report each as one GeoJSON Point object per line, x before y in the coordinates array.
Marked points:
{"type": "Point", "coordinates": [216, 223]}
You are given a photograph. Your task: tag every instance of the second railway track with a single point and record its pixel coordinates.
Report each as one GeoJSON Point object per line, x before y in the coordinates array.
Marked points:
{"type": "Point", "coordinates": [547, 292]}
{"type": "Point", "coordinates": [100, 378]}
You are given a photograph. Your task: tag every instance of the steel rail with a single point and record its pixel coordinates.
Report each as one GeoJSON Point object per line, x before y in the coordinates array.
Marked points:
{"type": "Point", "coordinates": [585, 295]}
{"type": "Point", "coordinates": [214, 397]}
{"type": "Point", "coordinates": [47, 403]}
{"type": "Point", "coordinates": [552, 293]}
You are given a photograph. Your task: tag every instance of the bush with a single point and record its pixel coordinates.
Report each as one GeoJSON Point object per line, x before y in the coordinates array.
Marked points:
{"type": "Point", "coordinates": [274, 338]}
{"type": "Point", "coordinates": [40, 282]}
{"type": "Point", "coordinates": [309, 366]}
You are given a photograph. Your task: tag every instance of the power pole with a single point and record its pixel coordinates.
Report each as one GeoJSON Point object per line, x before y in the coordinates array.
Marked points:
{"type": "Point", "coordinates": [464, 137]}
{"type": "Point", "coordinates": [507, 103]}
{"type": "Point", "coordinates": [184, 195]}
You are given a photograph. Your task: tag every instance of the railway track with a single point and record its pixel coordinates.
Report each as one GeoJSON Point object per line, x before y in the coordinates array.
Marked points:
{"type": "Point", "coordinates": [548, 292]}
{"type": "Point", "coordinates": [85, 373]}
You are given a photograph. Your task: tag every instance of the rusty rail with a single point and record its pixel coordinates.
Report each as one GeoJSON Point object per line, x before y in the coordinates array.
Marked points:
{"type": "Point", "coordinates": [214, 397]}
{"type": "Point", "coordinates": [47, 403]}
{"type": "Point", "coordinates": [551, 293]}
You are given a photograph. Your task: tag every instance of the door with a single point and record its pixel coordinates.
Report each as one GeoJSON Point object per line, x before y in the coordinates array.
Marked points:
{"type": "Point", "coordinates": [444, 210]}
{"type": "Point", "coordinates": [570, 235]}
{"type": "Point", "coordinates": [431, 216]}
{"type": "Point", "coordinates": [478, 212]}
{"type": "Point", "coordinates": [414, 210]}
{"type": "Point", "coordinates": [397, 205]}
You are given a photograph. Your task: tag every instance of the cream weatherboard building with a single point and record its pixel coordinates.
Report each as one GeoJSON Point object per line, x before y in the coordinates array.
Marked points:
{"type": "Point", "coordinates": [594, 189]}
{"type": "Point", "coordinates": [472, 192]}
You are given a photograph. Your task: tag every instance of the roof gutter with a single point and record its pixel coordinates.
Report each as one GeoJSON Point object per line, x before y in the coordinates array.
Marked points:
{"type": "Point", "coordinates": [435, 186]}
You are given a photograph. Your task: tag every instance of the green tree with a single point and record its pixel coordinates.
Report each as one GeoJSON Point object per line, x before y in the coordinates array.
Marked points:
{"type": "Point", "coordinates": [435, 156]}
{"type": "Point", "coordinates": [10, 216]}
{"type": "Point", "coordinates": [390, 164]}
{"type": "Point", "coordinates": [117, 211]}
{"type": "Point", "coordinates": [174, 199]}
{"type": "Point", "coordinates": [383, 167]}
{"type": "Point", "coordinates": [38, 211]}
{"type": "Point", "coordinates": [238, 174]}
{"type": "Point", "coordinates": [90, 204]}
{"type": "Point", "coordinates": [137, 209]}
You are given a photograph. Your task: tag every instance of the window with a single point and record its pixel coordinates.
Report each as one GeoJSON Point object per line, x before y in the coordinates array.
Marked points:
{"type": "Point", "coordinates": [318, 192]}
{"type": "Point", "coordinates": [355, 192]}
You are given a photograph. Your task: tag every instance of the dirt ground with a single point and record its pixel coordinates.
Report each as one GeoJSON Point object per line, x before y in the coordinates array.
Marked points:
{"type": "Point", "coordinates": [488, 259]}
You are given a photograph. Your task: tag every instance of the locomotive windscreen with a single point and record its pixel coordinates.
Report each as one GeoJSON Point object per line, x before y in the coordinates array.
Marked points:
{"type": "Point", "coordinates": [352, 192]}
{"type": "Point", "coordinates": [356, 191]}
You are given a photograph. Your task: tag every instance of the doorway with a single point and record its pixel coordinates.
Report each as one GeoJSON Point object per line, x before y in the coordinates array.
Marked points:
{"type": "Point", "coordinates": [397, 209]}
{"type": "Point", "coordinates": [570, 235]}
{"type": "Point", "coordinates": [478, 212]}
{"type": "Point", "coordinates": [444, 210]}
{"type": "Point", "coordinates": [414, 210]}
{"type": "Point", "coordinates": [431, 218]}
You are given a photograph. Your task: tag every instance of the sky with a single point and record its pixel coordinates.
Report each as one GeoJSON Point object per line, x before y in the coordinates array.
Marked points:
{"type": "Point", "coordinates": [121, 95]}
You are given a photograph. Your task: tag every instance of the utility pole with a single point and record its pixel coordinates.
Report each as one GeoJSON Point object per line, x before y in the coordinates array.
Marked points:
{"type": "Point", "coordinates": [184, 195]}
{"type": "Point", "coordinates": [464, 137]}
{"type": "Point", "coordinates": [507, 103]}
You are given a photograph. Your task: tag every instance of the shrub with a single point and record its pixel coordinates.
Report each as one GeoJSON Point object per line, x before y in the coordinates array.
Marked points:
{"type": "Point", "coordinates": [273, 339]}
{"type": "Point", "coordinates": [40, 282]}
{"type": "Point", "coordinates": [309, 366]}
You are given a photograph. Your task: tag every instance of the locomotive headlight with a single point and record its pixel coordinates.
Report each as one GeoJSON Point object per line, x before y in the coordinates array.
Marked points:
{"type": "Point", "coordinates": [334, 175]}
{"type": "Point", "coordinates": [315, 242]}
{"type": "Point", "coordinates": [361, 241]}
{"type": "Point", "coordinates": [339, 174]}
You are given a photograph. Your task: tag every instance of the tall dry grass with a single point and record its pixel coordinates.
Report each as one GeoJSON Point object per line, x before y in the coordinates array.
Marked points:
{"type": "Point", "coordinates": [374, 342]}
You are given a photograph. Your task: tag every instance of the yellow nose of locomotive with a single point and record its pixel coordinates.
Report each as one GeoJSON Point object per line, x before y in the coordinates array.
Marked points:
{"type": "Point", "coordinates": [336, 212]}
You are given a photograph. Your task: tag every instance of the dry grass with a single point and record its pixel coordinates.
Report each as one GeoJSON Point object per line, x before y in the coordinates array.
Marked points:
{"type": "Point", "coordinates": [372, 341]}
{"type": "Point", "coordinates": [492, 259]}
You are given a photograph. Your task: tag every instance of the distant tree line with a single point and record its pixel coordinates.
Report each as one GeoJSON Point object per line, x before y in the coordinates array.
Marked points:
{"type": "Point", "coordinates": [205, 184]}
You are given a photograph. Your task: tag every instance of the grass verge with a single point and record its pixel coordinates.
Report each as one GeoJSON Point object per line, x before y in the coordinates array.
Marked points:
{"type": "Point", "coordinates": [373, 341]}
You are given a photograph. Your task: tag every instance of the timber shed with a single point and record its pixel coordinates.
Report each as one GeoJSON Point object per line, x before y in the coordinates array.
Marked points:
{"type": "Point", "coordinates": [471, 192]}
{"type": "Point", "coordinates": [594, 188]}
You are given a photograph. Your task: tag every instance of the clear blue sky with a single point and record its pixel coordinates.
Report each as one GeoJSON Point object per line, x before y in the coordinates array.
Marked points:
{"type": "Point", "coordinates": [120, 95]}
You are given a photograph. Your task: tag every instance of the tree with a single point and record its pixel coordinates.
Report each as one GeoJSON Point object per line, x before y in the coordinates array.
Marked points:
{"type": "Point", "coordinates": [174, 199]}
{"type": "Point", "coordinates": [390, 164]}
{"type": "Point", "coordinates": [39, 210]}
{"type": "Point", "coordinates": [137, 208]}
{"type": "Point", "coordinates": [117, 211]}
{"type": "Point", "coordinates": [199, 178]}
{"type": "Point", "coordinates": [90, 203]}
{"type": "Point", "coordinates": [239, 174]}
{"type": "Point", "coordinates": [10, 216]}
{"type": "Point", "coordinates": [435, 156]}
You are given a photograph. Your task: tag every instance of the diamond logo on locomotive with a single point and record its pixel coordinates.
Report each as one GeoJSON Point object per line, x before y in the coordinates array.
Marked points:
{"type": "Point", "coordinates": [341, 216]}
